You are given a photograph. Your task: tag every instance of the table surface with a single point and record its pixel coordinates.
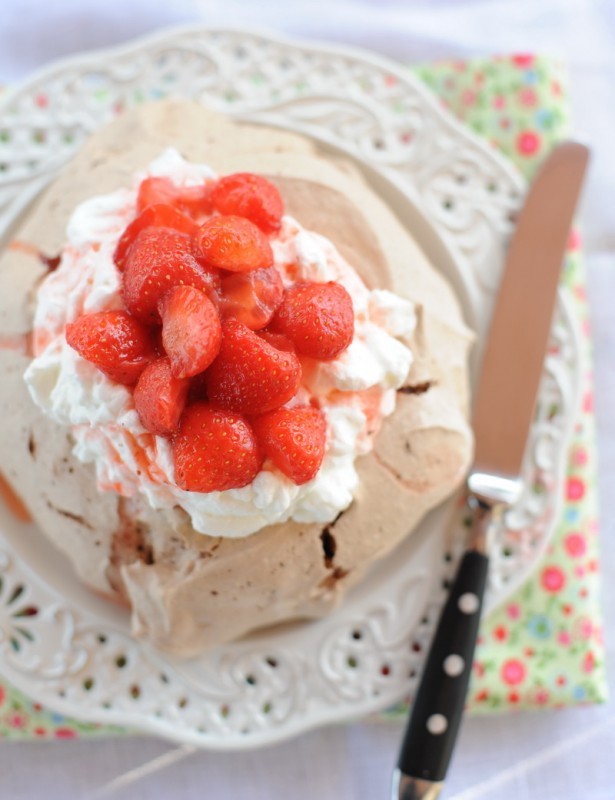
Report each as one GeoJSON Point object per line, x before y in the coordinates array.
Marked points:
{"type": "Point", "coordinates": [546, 755]}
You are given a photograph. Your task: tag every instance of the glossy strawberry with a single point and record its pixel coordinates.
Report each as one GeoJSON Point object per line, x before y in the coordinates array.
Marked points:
{"type": "Point", "coordinates": [154, 216]}
{"type": "Point", "coordinates": [194, 200]}
{"type": "Point", "coordinates": [318, 318]}
{"type": "Point", "coordinates": [251, 297]}
{"type": "Point", "coordinates": [160, 398]}
{"type": "Point", "coordinates": [249, 375]}
{"type": "Point", "coordinates": [294, 439]}
{"type": "Point", "coordinates": [277, 340]}
{"type": "Point", "coordinates": [247, 195]}
{"type": "Point", "coordinates": [191, 331]}
{"type": "Point", "coordinates": [234, 244]}
{"type": "Point", "coordinates": [158, 260]}
{"type": "Point", "coordinates": [214, 450]}
{"type": "Point", "coordinates": [114, 341]}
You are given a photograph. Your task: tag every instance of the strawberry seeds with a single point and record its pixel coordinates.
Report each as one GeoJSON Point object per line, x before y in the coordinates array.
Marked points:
{"type": "Point", "coordinates": [209, 340]}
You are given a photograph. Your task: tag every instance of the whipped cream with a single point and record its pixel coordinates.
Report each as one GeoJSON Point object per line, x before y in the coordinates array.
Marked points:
{"type": "Point", "coordinates": [356, 391]}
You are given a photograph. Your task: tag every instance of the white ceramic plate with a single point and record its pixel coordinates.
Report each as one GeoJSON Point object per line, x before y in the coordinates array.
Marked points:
{"type": "Point", "coordinates": [73, 652]}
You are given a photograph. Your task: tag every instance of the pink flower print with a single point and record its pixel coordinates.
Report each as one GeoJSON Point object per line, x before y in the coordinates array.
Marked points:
{"type": "Point", "coordinates": [482, 696]}
{"type": "Point", "coordinates": [40, 732]}
{"type": "Point", "coordinates": [589, 663]}
{"type": "Point", "coordinates": [479, 669]}
{"type": "Point", "coordinates": [580, 456]}
{"type": "Point", "coordinates": [552, 579]}
{"type": "Point", "coordinates": [513, 672]}
{"type": "Point", "coordinates": [564, 638]}
{"type": "Point", "coordinates": [528, 142]}
{"type": "Point", "coordinates": [567, 609]}
{"type": "Point", "coordinates": [579, 572]}
{"type": "Point", "coordinates": [588, 402]}
{"type": "Point", "coordinates": [561, 680]}
{"type": "Point", "coordinates": [500, 634]}
{"type": "Point", "coordinates": [528, 97]}
{"type": "Point", "coordinates": [499, 101]}
{"type": "Point", "coordinates": [2, 695]}
{"type": "Point", "coordinates": [514, 611]}
{"type": "Point", "coordinates": [592, 565]}
{"type": "Point", "coordinates": [513, 697]}
{"type": "Point", "coordinates": [575, 545]}
{"type": "Point", "coordinates": [522, 60]}
{"type": "Point", "coordinates": [17, 720]}
{"type": "Point", "coordinates": [584, 628]}
{"type": "Point", "coordinates": [468, 98]}
{"type": "Point", "coordinates": [65, 733]}
{"type": "Point", "coordinates": [574, 239]}
{"type": "Point", "coordinates": [541, 697]}
{"type": "Point", "coordinates": [575, 489]}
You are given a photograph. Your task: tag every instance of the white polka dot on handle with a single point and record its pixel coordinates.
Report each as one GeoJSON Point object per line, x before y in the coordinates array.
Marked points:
{"type": "Point", "coordinates": [468, 603]}
{"type": "Point", "coordinates": [453, 665]}
{"type": "Point", "coordinates": [437, 724]}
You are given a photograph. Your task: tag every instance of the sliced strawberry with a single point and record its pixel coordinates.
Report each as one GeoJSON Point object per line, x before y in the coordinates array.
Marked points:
{"type": "Point", "coordinates": [277, 340]}
{"type": "Point", "coordinates": [251, 297]}
{"type": "Point", "coordinates": [249, 375]}
{"type": "Point", "coordinates": [233, 243]}
{"type": "Point", "coordinates": [214, 450]}
{"type": "Point", "coordinates": [194, 200]}
{"type": "Point", "coordinates": [191, 331]}
{"type": "Point", "coordinates": [158, 260]}
{"type": "Point", "coordinates": [318, 318]}
{"type": "Point", "coordinates": [154, 216]}
{"type": "Point", "coordinates": [160, 398]}
{"type": "Point", "coordinates": [156, 190]}
{"type": "Point", "coordinates": [115, 342]}
{"type": "Point", "coordinates": [294, 439]}
{"type": "Point", "coordinates": [247, 195]}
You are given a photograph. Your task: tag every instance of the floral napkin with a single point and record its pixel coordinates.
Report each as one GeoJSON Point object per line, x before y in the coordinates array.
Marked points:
{"type": "Point", "coordinates": [544, 646]}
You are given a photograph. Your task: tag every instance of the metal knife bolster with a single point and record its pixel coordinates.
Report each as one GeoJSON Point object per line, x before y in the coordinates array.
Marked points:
{"type": "Point", "coordinates": [488, 493]}
{"type": "Point", "coordinates": [406, 788]}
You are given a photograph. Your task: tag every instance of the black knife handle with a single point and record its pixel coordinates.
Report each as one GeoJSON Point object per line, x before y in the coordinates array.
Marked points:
{"type": "Point", "coordinates": [439, 702]}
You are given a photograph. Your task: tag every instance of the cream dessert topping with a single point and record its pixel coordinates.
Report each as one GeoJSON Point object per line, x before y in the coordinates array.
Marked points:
{"type": "Point", "coordinates": [355, 391]}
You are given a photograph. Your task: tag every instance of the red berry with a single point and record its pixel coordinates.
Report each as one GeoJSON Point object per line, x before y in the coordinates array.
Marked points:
{"type": "Point", "coordinates": [250, 196]}
{"type": "Point", "coordinates": [155, 190]}
{"type": "Point", "coordinates": [160, 398]}
{"type": "Point", "coordinates": [154, 216]}
{"type": "Point", "coordinates": [318, 317]}
{"type": "Point", "coordinates": [158, 260]}
{"type": "Point", "coordinates": [251, 297]}
{"type": "Point", "coordinates": [249, 375]}
{"type": "Point", "coordinates": [214, 450]}
{"type": "Point", "coordinates": [115, 342]}
{"type": "Point", "coordinates": [191, 330]}
{"type": "Point", "coordinates": [277, 340]}
{"type": "Point", "coordinates": [294, 439]}
{"type": "Point", "coordinates": [233, 243]}
{"type": "Point", "coordinates": [196, 200]}
{"type": "Point", "coordinates": [192, 199]}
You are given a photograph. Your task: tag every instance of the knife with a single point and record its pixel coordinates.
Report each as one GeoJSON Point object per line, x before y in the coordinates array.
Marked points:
{"type": "Point", "coordinates": [503, 412]}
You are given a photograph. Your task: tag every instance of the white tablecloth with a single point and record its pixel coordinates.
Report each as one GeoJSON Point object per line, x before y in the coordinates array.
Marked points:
{"type": "Point", "coordinates": [539, 756]}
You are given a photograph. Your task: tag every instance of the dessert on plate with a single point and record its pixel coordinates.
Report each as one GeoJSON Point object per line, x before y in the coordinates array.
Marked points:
{"type": "Point", "coordinates": [232, 380]}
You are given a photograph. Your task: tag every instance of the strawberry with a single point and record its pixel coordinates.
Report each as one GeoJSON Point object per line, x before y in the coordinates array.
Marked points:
{"type": "Point", "coordinates": [318, 318]}
{"type": "Point", "coordinates": [159, 259]}
{"type": "Point", "coordinates": [115, 342]}
{"type": "Point", "coordinates": [251, 297]}
{"type": "Point", "coordinates": [250, 196]}
{"type": "Point", "coordinates": [214, 450]}
{"type": "Point", "coordinates": [191, 330]}
{"type": "Point", "coordinates": [250, 375]}
{"type": "Point", "coordinates": [294, 439]}
{"type": "Point", "coordinates": [155, 190]}
{"type": "Point", "coordinates": [160, 398]}
{"type": "Point", "coordinates": [233, 243]}
{"type": "Point", "coordinates": [192, 199]}
{"type": "Point", "coordinates": [277, 340]}
{"type": "Point", "coordinates": [154, 216]}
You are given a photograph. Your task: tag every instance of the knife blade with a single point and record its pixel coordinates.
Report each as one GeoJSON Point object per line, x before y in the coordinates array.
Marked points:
{"type": "Point", "coordinates": [503, 412]}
